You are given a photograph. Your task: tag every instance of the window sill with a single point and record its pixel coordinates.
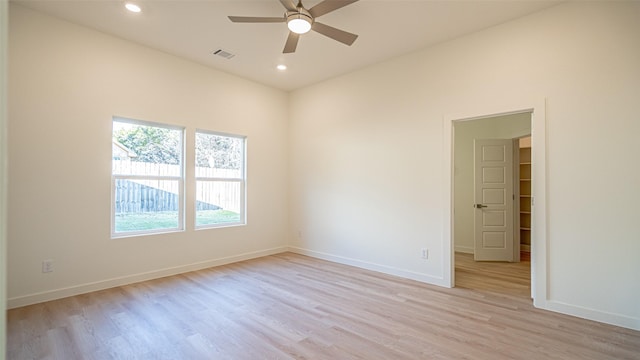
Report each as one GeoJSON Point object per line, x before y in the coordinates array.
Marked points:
{"type": "Point", "coordinates": [219, 226]}
{"type": "Point", "coordinates": [146, 233]}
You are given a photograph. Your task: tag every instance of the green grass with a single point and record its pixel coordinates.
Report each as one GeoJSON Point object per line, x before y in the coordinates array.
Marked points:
{"type": "Point", "coordinates": [169, 219]}
{"type": "Point", "coordinates": [146, 221]}
{"type": "Point", "coordinates": [209, 217]}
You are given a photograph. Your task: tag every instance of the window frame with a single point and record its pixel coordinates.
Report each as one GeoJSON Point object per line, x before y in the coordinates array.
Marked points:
{"type": "Point", "coordinates": [180, 178]}
{"type": "Point", "coordinates": [242, 180]}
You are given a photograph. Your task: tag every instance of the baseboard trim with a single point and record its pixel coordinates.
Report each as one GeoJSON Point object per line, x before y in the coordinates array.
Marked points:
{"type": "Point", "coordinates": [551, 305]}
{"type": "Point", "coordinates": [591, 314]}
{"type": "Point", "coordinates": [464, 249]}
{"type": "Point", "coordinates": [39, 297]}
{"type": "Point", "coordinates": [407, 274]}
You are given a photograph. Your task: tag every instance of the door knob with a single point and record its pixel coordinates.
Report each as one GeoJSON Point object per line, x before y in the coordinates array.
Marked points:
{"type": "Point", "coordinates": [479, 206]}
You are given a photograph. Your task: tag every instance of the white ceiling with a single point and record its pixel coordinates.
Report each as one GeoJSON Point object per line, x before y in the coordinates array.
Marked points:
{"type": "Point", "coordinates": [194, 29]}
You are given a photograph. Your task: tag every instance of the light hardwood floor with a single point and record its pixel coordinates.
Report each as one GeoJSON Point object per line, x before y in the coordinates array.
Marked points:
{"type": "Point", "coordinates": [289, 306]}
{"type": "Point", "coordinates": [508, 279]}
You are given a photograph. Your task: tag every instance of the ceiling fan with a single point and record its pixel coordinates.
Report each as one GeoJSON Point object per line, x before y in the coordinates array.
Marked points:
{"type": "Point", "coordinates": [300, 20]}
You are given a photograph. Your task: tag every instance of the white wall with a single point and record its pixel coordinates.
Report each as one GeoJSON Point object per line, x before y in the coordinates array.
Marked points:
{"type": "Point", "coordinates": [4, 17]}
{"type": "Point", "coordinates": [66, 84]}
{"type": "Point", "coordinates": [501, 127]}
{"type": "Point", "coordinates": [367, 148]}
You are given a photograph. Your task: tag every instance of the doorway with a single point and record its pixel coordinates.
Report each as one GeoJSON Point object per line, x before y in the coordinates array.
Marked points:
{"type": "Point", "coordinates": [486, 201]}
{"type": "Point", "coordinates": [539, 253]}
{"type": "Point", "coordinates": [468, 134]}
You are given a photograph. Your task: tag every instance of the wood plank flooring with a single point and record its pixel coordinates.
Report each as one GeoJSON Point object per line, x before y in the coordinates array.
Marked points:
{"type": "Point", "coordinates": [508, 279]}
{"type": "Point", "coordinates": [289, 306]}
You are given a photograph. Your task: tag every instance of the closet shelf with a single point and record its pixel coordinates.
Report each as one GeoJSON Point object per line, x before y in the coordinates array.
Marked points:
{"type": "Point", "coordinates": [525, 197]}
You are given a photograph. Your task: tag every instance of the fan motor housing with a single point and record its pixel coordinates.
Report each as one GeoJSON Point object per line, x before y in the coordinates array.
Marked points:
{"type": "Point", "coordinates": [300, 13]}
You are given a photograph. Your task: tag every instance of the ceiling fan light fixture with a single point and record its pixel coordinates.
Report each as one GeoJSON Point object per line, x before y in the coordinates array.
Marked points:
{"type": "Point", "coordinates": [299, 22]}
{"type": "Point", "coordinates": [133, 7]}
{"type": "Point", "coordinates": [299, 26]}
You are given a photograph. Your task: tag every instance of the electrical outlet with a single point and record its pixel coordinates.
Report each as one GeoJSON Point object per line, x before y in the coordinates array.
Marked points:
{"type": "Point", "coordinates": [47, 266]}
{"type": "Point", "coordinates": [424, 253]}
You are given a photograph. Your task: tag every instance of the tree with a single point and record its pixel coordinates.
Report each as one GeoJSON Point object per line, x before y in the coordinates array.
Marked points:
{"type": "Point", "coordinates": [220, 152]}
{"type": "Point", "coordinates": [151, 144]}
{"type": "Point", "coordinates": [162, 145]}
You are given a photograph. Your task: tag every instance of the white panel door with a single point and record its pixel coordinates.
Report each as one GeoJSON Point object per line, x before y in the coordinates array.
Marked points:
{"type": "Point", "coordinates": [493, 196]}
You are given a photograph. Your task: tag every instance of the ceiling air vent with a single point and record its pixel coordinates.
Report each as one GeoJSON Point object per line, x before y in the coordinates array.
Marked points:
{"type": "Point", "coordinates": [225, 54]}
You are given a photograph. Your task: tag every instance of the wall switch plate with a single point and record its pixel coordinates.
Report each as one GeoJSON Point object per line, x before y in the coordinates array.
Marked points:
{"type": "Point", "coordinates": [424, 253]}
{"type": "Point", "coordinates": [47, 266]}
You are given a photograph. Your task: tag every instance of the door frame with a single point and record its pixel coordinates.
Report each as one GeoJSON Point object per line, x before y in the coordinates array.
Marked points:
{"type": "Point", "coordinates": [539, 235]}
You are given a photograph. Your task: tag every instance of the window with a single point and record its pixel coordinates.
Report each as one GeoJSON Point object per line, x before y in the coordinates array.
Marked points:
{"type": "Point", "coordinates": [147, 182]}
{"type": "Point", "coordinates": [220, 179]}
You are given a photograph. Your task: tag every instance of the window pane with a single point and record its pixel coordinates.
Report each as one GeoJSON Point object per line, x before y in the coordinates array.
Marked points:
{"type": "Point", "coordinates": [146, 150]}
{"type": "Point", "coordinates": [219, 156]}
{"type": "Point", "coordinates": [146, 204]}
{"type": "Point", "coordinates": [218, 202]}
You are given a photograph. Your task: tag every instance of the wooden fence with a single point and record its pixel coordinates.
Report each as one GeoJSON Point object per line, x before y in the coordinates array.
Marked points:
{"type": "Point", "coordinates": [128, 167]}
{"type": "Point", "coordinates": [135, 195]}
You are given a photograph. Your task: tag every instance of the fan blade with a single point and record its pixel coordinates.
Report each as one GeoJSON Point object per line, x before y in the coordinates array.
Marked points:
{"type": "Point", "coordinates": [289, 5]}
{"type": "Point", "coordinates": [292, 43]}
{"type": "Point", "coordinates": [344, 37]}
{"type": "Point", "coordinates": [328, 6]}
{"type": "Point", "coordinates": [252, 19]}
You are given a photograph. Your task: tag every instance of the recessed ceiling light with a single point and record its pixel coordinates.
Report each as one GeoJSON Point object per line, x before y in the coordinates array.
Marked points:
{"type": "Point", "coordinates": [133, 7]}
{"type": "Point", "coordinates": [281, 67]}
